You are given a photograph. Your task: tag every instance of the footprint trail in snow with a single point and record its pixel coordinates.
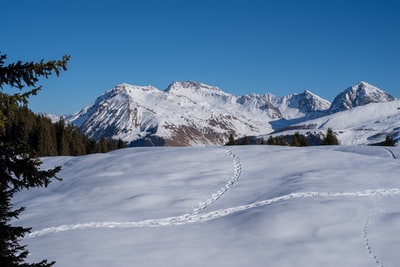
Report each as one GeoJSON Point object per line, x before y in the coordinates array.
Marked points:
{"type": "Point", "coordinates": [196, 218]}
{"type": "Point", "coordinates": [379, 210]}
{"type": "Point", "coordinates": [237, 170]}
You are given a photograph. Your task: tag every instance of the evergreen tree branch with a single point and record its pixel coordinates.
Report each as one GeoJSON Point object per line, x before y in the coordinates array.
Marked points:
{"type": "Point", "coordinates": [21, 74]}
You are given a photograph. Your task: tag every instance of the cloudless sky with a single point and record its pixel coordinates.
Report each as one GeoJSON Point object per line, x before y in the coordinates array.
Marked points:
{"type": "Point", "coordinates": [241, 46]}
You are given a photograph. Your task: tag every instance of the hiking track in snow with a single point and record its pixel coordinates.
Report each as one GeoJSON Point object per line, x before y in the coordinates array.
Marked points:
{"type": "Point", "coordinates": [380, 211]}
{"type": "Point", "coordinates": [237, 170]}
{"type": "Point", "coordinates": [212, 215]}
{"type": "Point", "coordinates": [367, 242]}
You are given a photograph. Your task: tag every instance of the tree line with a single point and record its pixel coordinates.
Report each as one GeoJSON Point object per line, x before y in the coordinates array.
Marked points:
{"type": "Point", "coordinates": [296, 139]}
{"type": "Point", "coordinates": [44, 138]}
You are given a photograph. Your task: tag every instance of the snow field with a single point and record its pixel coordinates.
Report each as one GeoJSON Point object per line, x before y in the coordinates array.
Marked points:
{"type": "Point", "coordinates": [281, 206]}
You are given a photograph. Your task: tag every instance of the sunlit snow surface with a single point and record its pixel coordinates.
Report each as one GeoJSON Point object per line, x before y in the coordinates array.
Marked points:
{"type": "Point", "coordinates": [214, 206]}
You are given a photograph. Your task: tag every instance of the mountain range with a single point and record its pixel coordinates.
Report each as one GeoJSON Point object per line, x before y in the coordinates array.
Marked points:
{"type": "Point", "coordinates": [193, 113]}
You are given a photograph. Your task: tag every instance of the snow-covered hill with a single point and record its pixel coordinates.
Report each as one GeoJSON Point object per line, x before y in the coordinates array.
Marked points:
{"type": "Point", "coordinates": [193, 113]}
{"type": "Point", "coordinates": [212, 206]}
{"type": "Point", "coordinates": [368, 124]}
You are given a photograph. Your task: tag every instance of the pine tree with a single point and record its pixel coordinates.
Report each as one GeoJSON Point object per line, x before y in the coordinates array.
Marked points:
{"type": "Point", "coordinates": [20, 122]}
{"type": "Point", "coordinates": [121, 144]}
{"type": "Point", "coordinates": [44, 137]}
{"type": "Point", "coordinates": [299, 140]}
{"type": "Point", "coordinates": [330, 138]}
{"type": "Point", "coordinates": [389, 141]}
{"type": "Point", "coordinates": [231, 140]}
{"type": "Point", "coordinates": [19, 168]}
{"type": "Point", "coordinates": [76, 142]}
{"type": "Point", "coordinates": [280, 141]}
{"type": "Point", "coordinates": [112, 144]}
{"type": "Point", "coordinates": [91, 145]}
{"type": "Point", "coordinates": [102, 145]}
{"type": "Point", "coordinates": [295, 139]}
{"type": "Point", "coordinates": [303, 140]}
{"type": "Point", "coordinates": [245, 140]}
{"type": "Point", "coordinates": [62, 138]}
{"type": "Point", "coordinates": [270, 140]}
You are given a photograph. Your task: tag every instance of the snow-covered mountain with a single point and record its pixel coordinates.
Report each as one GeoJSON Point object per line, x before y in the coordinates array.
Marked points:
{"type": "Point", "coordinates": [193, 113]}
{"type": "Point", "coordinates": [363, 125]}
{"type": "Point", "coordinates": [368, 124]}
{"type": "Point", "coordinates": [299, 105]}
{"type": "Point", "coordinates": [359, 95]}
{"type": "Point", "coordinates": [187, 113]}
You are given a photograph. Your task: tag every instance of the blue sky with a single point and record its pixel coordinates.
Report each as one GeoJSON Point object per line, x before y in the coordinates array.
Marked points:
{"type": "Point", "coordinates": [248, 46]}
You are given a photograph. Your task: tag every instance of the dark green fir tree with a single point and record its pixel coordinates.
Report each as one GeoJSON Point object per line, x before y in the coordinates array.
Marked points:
{"type": "Point", "coordinates": [271, 140]}
{"type": "Point", "coordinates": [120, 144]}
{"type": "Point", "coordinates": [246, 140]}
{"type": "Point", "coordinates": [330, 138]}
{"type": "Point", "coordinates": [231, 140]}
{"type": "Point", "coordinates": [19, 168]}
{"type": "Point", "coordinates": [389, 141]}
{"type": "Point", "coordinates": [295, 139]}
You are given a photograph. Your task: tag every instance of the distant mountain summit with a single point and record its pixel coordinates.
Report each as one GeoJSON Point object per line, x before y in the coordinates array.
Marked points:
{"type": "Point", "coordinates": [193, 113]}
{"type": "Point", "coordinates": [299, 105]}
{"type": "Point", "coordinates": [193, 86]}
{"type": "Point", "coordinates": [359, 95]}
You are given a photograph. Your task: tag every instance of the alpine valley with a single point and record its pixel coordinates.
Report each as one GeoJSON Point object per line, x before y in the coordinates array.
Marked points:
{"type": "Point", "coordinates": [195, 114]}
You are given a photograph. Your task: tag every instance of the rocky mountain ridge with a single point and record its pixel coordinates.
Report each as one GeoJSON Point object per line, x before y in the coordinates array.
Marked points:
{"type": "Point", "coordinates": [193, 113]}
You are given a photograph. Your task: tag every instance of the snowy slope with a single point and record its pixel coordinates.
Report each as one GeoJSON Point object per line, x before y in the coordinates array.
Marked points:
{"type": "Point", "coordinates": [366, 124]}
{"type": "Point", "coordinates": [212, 206]}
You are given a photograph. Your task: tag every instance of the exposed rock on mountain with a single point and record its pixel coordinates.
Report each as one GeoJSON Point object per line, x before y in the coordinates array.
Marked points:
{"type": "Point", "coordinates": [193, 113]}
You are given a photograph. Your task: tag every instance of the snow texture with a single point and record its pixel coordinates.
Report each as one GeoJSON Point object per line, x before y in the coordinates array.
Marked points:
{"type": "Point", "coordinates": [212, 206]}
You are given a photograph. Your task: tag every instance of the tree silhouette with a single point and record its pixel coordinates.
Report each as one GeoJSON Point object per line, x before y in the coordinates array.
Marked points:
{"type": "Point", "coordinates": [389, 141]}
{"type": "Point", "coordinates": [231, 140]}
{"type": "Point", "coordinates": [330, 138]}
{"type": "Point", "coordinates": [19, 167]}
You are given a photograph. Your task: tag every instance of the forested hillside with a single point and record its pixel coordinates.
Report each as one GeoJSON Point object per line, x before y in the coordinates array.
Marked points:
{"type": "Point", "coordinates": [52, 139]}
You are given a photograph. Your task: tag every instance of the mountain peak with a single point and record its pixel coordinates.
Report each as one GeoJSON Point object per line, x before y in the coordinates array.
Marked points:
{"type": "Point", "coordinates": [193, 85]}
{"type": "Point", "coordinates": [364, 86]}
{"type": "Point", "coordinates": [360, 94]}
{"type": "Point", "coordinates": [129, 89]}
{"type": "Point", "coordinates": [363, 83]}
{"type": "Point", "coordinates": [308, 102]}
{"type": "Point", "coordinates": [308, 92]}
